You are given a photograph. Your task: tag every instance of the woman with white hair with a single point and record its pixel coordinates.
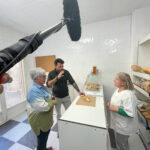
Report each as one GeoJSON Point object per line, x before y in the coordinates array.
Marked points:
{"type": "Point", "coordinates": [123, 110]}
{"type": "Point", "coordinates": [40, 108]}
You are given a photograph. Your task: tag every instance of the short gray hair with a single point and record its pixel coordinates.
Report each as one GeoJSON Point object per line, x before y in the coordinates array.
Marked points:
{"type": "Point", "coordinates": [36, 73]}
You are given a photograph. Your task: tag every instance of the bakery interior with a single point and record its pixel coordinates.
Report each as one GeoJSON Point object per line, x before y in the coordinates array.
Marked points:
{"type": "Point", "coordinates": [114, 37]}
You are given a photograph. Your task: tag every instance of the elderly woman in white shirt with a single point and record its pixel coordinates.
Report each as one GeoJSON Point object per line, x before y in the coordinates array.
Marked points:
{"type": "Point", "coordinates": [123, 110]}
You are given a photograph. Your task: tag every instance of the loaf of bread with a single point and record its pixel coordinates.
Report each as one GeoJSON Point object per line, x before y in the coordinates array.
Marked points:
{"type": "Point", "coordinates": [145, 113]}
{"type": "Point", "coordinates": [139, 84]}
{"type": "Point", "coordinates": [136, 68]}
{"type": "Point", "coordinates": [147, 86]}
{"type": "Point", "coordinates": [86, 98]}
{"type": "Point", "coordinates": [148, 120]}
{"type": "Point", "coordinates": [92, 86]}
{"type": "Point", "coordinates": [146, 70]}
{"type": "Point", "coordinates": [147, 116]}
{"type": "Point", "coordinates": [144, 110]}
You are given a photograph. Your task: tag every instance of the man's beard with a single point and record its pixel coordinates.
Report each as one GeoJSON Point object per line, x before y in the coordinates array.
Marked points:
{"type": "Point", "coordinates": [59, 70]}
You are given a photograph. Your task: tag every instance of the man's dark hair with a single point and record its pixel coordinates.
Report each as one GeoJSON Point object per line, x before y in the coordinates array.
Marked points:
{"type": "Point", "coordinates": [58, 60]}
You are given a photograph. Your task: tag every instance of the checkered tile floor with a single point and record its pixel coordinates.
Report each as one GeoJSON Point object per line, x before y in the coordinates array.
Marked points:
{"type": "Point", "coordinates": [16, 134]}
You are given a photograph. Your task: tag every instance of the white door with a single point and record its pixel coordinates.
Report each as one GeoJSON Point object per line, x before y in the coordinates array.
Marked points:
{"type": "Point", "coordinates": [12, 101]}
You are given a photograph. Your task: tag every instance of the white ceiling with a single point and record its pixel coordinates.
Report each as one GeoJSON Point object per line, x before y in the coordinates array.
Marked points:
{"type": "Point", "coordinates": [28, 16]}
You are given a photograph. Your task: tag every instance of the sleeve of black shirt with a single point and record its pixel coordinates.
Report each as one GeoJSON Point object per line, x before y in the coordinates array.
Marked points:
{"type": "Point", "coordinates": [70, 78]}
{"type": "Point", "coordinates": [49, 78]}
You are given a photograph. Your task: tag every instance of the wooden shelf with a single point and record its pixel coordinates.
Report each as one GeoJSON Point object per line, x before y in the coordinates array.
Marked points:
{"type": "Point", "coordinates": [142, 91]}
{"type": "Point", "coordinates": [145, 40]}
{"type": "Point", "coordinates": [142, 75]}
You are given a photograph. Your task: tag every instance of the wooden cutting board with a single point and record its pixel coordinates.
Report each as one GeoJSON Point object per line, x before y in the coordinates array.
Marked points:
{"type": "Point", "coordinates": [91, 103]}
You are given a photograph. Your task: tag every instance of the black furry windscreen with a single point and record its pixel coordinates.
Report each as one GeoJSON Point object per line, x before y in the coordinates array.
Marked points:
{"type": "Point", "coordinates": [71, 10]}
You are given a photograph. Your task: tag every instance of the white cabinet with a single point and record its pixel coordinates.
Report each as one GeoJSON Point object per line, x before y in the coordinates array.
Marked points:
{"type": "Point", "coordinates": [76, 136]}
{"type": "Point", "coordinates": [84, 127]}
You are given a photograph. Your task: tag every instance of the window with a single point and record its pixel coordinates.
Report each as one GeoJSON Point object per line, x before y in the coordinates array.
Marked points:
{"type": "Point", "coordinates": [15, 91]}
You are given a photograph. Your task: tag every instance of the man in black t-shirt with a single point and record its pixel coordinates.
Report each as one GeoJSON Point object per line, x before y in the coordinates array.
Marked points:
{"type": "Point", "coordinates": [58, 79]}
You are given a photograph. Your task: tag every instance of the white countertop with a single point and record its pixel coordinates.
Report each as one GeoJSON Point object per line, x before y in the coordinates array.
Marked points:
{"type": "Point", "coordinates": [94, 116]}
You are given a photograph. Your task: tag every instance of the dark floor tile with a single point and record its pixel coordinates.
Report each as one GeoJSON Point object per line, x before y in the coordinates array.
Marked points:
{"type": "Point", "coordinates": [29, 140]}
{"type": "Point", "coordinates": [112, 138]}
{"type": "Point", "coordinates": [5, 144]}
{"type": "Point", "coordinates": [55, 128]}
{"type": "Point", "coordinates": [7, 126]}
{"type": "Point", "coordinates": [26, 121]}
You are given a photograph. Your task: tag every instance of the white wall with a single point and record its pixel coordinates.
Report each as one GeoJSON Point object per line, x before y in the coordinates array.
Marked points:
{"type": "Point", "coordinates": [108, 48]}
{"type": "Point", "coordinates": [7, 38]}
{"type": "Point", "coordinates": [140, 28]}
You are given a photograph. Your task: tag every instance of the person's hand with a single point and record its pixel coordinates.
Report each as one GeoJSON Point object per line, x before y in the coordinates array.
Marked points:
{"type": "Point", "coordinates": [55, 102]}
{"type": "Point", "coordinates": [4, 78]}
{"type": "Point", "coordinates": [112, 107]}
{"type": "Point", "coordinates": [61, 74]}
{"type": "Point", "coordinates": [1, 89]}
{"type": "Point", "coordinates": [108, 104]}
{"type": "Point", "coordinates": [81, 93]}
{"type": "Point", "coordinates": [53, 98]}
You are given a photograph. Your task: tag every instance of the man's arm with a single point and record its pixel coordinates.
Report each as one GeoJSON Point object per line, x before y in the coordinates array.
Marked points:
{"type": "Point", "coordinates": [71, 81]}
{"type": "Point", "coordinates": [77, 89]}
{"type": "Point", "coordinates": [51, 82]}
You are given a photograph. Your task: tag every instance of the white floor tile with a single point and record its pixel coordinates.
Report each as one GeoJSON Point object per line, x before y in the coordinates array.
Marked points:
{"type": "Point", "coordinates": [53, 140]}
{"type": "Point", "coordinates": [17, 146]}
{"type": "Point", "coordinates": [55, 120]}
{"type": "Point", "coordinates": [21, 117]}
{"type": "Point", "coordinates": [135, 143]}
{"type": "Point", "coordinates": [17, 132]}
{"type": "Point", "coordinates": [54, 111]}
